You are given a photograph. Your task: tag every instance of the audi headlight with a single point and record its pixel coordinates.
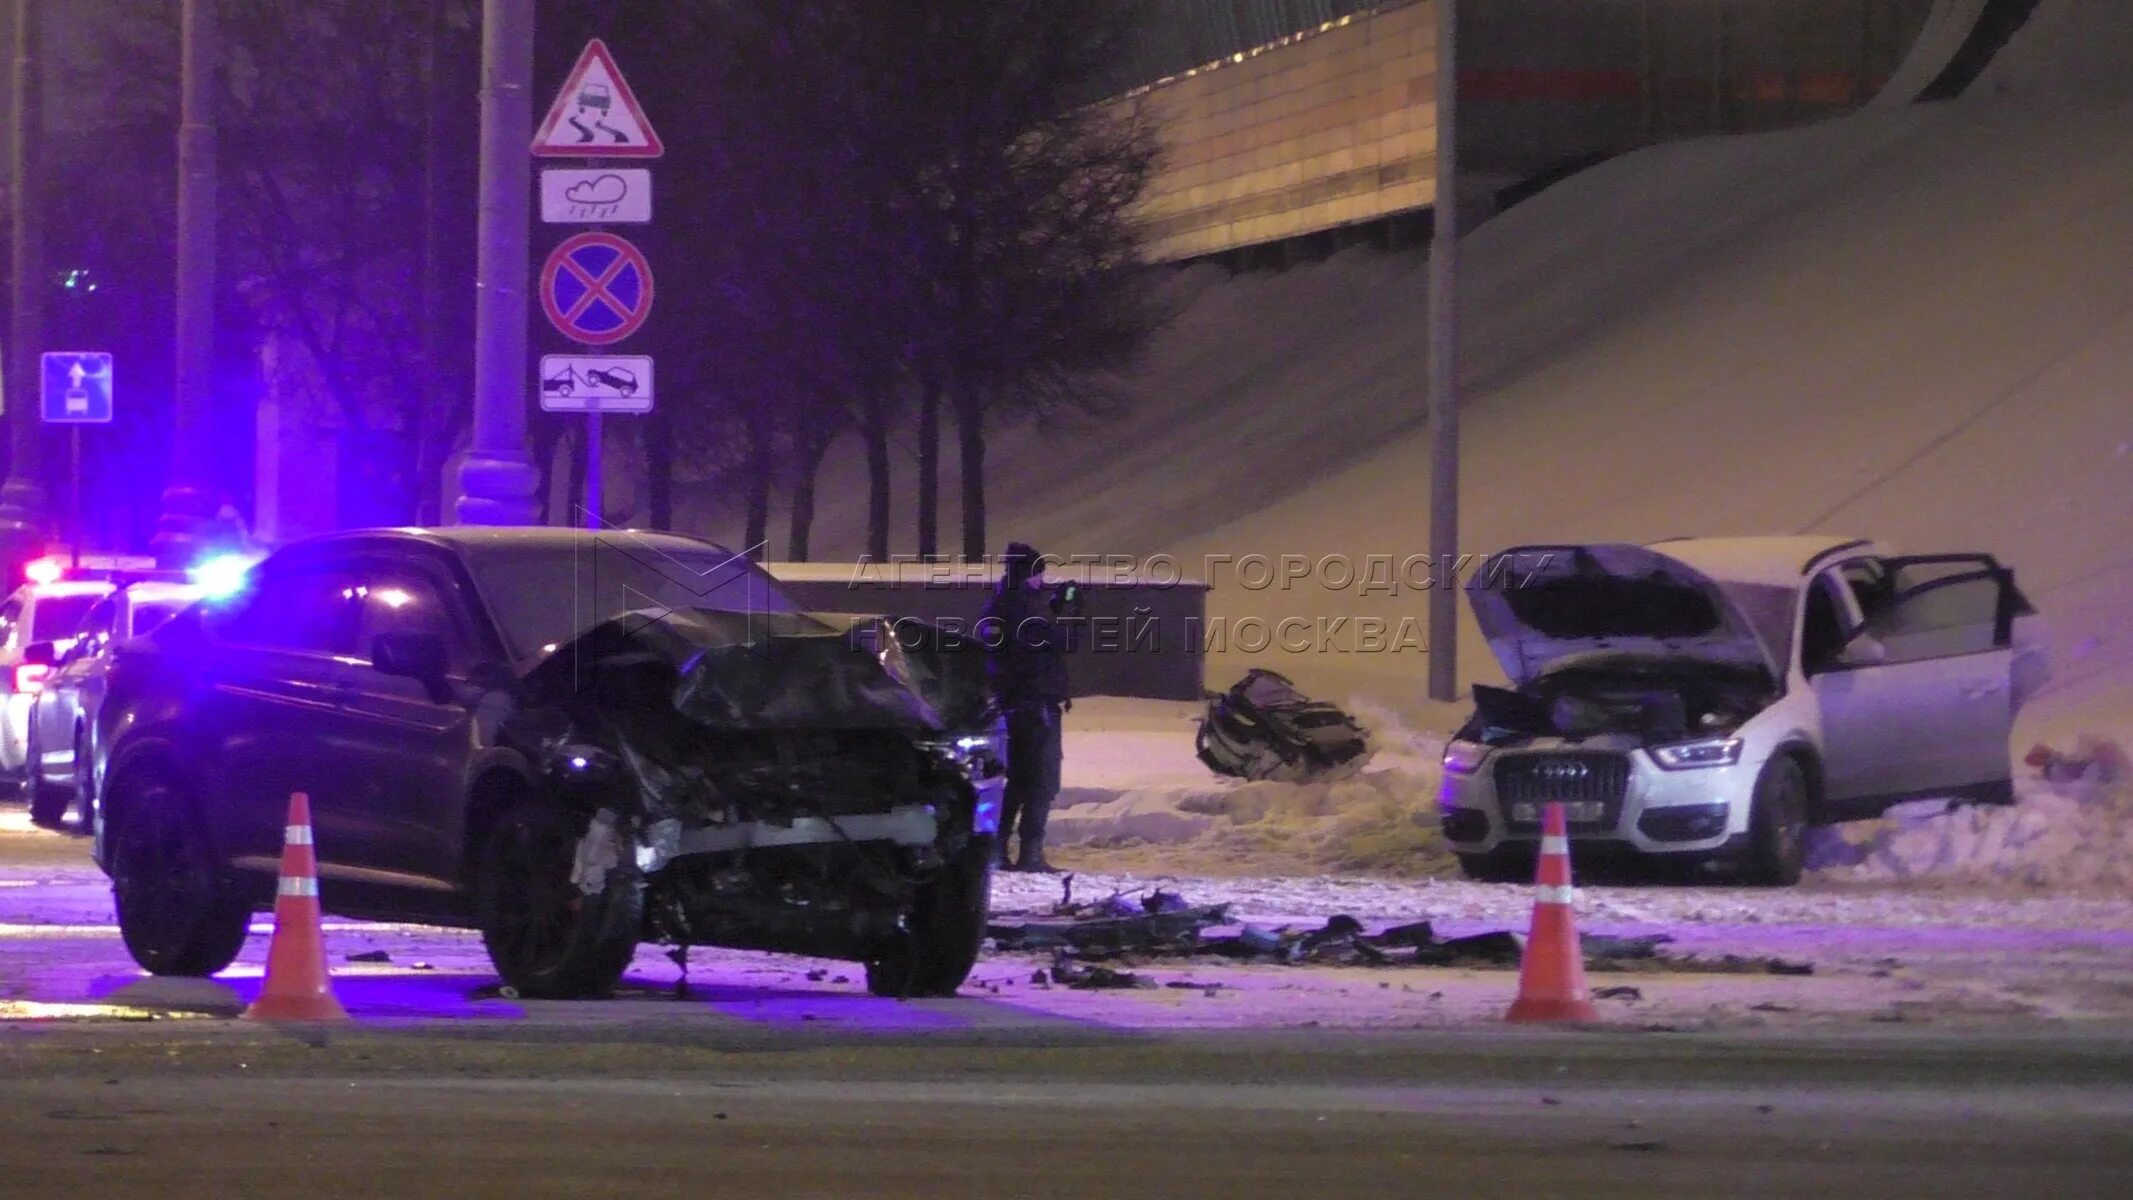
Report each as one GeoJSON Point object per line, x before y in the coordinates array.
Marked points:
{"type": "Point", "coordinates": [1711, 752]}
{"type": "Point", "coordinates": [1463, 757]}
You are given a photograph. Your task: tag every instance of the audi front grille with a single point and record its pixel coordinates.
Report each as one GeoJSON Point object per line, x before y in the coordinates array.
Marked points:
{"type": "Point", "coordinates": [1572, 777]}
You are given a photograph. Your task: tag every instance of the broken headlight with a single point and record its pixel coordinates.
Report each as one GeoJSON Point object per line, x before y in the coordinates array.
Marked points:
{"type": "Point", "coordinates": [1711, 752]}
{"type": "Point", "coordinates": [579, 760]}
{"type": "Point", "coordinates": [981, 756]}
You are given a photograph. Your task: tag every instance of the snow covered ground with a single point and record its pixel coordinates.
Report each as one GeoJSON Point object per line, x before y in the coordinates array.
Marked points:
{"type": "Point", "coordinates": [1913, 323]}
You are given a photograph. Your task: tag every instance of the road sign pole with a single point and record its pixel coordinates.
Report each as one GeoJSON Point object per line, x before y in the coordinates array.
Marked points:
{"type": "Point", "coordinates": [497, 478]}
{"type": "Point", "coordinates": [593, 455]}
{"type": "Point", "coordinates": [1444, 369]}
{"type": "Point", "coordinates": [74, 490]}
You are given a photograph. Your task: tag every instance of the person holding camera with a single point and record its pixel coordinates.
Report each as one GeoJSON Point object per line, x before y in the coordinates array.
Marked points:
{"type": "Point", "coordinates": [1026, 644]}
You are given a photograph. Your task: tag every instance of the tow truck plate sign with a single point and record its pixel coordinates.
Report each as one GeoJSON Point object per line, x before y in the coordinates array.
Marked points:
{"type": "Point", "coordinates": [606, 383]}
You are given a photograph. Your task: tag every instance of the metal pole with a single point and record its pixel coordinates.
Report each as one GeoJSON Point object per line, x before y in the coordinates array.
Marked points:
{"type": "Point", "coordinates": [187, 502]}
{"type": "Point", "coordinates": [1444, 372]}
{"type": "Point", "coordinates": [593, 455]}
{"type": "Point", "coordinates": [431, 397]}
{"type": "Point", "coordinates": [497, 478]}
{"type": "Point", "coordinates": [74, 492]}
{"type": "Point", "coordinates": [1646, 98]}
{"type": "Point", "coordinates": [22, 498]}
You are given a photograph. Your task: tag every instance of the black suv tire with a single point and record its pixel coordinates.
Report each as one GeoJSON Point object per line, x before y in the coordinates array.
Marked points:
{"type": "Point", "coordinates": [549, 940]}
{"type": "Point", "coordinates": [178, 911]}
{"type": "Point", "coordinates": [944, 931]}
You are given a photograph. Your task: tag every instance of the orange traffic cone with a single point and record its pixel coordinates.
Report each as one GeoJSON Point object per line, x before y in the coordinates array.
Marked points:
{"type": "Point", "coordinates": [297, 987]}
{"type": "Point", "coordinates": [1551, 980]}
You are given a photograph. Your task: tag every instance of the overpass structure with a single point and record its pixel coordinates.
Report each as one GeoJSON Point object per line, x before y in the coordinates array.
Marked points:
{"type": "Point", "coordinates": [1325, 132]}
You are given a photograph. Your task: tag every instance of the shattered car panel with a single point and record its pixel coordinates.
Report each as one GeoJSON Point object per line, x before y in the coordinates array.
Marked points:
{"type": "Point", "coordinates": [761, 671]}
{"type": "Point", "coordinates": [739, 753]}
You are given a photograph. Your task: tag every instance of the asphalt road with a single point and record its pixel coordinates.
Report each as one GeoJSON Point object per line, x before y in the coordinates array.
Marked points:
{"type": "Point", "coordinates": [220, 1110]}
{"type": "Point", "coordinates": [776, 1076]}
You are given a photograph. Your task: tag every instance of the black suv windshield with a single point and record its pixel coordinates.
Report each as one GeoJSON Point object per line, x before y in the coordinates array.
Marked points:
{"type": "Point", "coordinates": [543, 597]}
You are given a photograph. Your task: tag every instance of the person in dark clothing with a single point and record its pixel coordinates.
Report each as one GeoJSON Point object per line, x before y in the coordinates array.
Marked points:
{"type": "Point", "coordinates": [1026, 663]}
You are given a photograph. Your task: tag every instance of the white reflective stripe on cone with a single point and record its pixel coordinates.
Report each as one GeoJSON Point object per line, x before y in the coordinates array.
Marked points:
{"type": "Point", "coordinates": [1555, 845]}
{"type": "Point", "coordinates": [297, 887]}
{"type": "Point", "coordinates": [296, 835]}
{"type": "Point", "coordinates": [1557, 895]}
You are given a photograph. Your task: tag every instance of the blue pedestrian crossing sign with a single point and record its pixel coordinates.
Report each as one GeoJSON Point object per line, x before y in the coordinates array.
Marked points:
{"type": "Point", "coordinates": [77, 387]}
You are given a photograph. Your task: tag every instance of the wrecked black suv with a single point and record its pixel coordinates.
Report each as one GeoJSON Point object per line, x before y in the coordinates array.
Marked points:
{"type": "Point", "coordinates": [572, 741]}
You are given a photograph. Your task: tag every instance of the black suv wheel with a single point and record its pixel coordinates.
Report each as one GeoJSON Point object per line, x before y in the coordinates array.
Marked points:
{"type": "Point", "coordinates": [548, 939]}
{"type": "Point", "coordinates": [177, 910]}
{"type": "Point", "coordinates": [941, 937]}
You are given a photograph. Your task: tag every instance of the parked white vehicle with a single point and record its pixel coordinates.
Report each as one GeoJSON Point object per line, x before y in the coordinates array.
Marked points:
{"type": "Point", "coordinates": [1704, 699]}
{"type": "Point", "coordinates": [44, 615]}
{"type": "Point", "coordinates": [62, 721]}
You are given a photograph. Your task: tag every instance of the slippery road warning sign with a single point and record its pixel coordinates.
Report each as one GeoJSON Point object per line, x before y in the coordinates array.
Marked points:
{"type": "Point", "coordinates": [595, 115]}
{"type": "Point", "coordinates": [596, 288]}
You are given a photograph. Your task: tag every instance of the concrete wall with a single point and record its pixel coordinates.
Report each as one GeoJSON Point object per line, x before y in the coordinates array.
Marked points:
{"type": "Point", "coordinates": [1165, 663]}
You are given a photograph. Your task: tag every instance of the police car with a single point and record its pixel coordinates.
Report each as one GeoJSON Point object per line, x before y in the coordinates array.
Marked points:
{"type": "Point", "coordinates": [62, 718]}
{"type": "Point", "coordinates": [37, 626]}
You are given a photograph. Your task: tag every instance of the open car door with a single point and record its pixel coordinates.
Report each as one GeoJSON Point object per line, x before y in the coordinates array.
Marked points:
{"type": "Point", "coordinates": [1934, 660]}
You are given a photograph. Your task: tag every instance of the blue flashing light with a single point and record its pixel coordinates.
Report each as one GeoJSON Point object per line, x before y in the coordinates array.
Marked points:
{"type": "Point", "coordinates": [222, 576]}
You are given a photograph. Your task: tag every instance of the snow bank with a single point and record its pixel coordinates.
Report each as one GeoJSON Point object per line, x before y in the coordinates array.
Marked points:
{"type": "Point", "coordinates": [2068, 834]}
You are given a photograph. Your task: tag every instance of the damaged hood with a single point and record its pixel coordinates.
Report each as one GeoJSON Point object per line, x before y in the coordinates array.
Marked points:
{"type": "Point", "coordinates": [768, 671]}
{"type": "Point", "coordinates": [1548, 602]}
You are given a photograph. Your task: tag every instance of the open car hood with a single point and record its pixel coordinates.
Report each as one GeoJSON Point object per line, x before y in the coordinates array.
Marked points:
{"type": "Point", "coordinates": [770, 671]}
{"type": "Point", "coordinates": [1549, 602]}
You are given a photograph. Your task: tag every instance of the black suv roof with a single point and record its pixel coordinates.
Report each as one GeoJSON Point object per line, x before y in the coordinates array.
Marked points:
{"type": "Point", "coordinates": [479, 537]}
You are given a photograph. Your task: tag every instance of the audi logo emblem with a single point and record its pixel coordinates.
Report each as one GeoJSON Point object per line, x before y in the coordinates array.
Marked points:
{"type": "Point", "coordinates": [1562, 770]}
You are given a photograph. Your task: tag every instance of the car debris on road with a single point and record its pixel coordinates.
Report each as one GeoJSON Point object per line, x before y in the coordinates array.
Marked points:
{"type": "Point", "coordinates": [1163, 925]}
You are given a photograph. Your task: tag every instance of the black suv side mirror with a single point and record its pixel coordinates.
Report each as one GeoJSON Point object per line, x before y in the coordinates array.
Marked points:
{"type": "Point", "coordinates": [418, 656]}
{"type": "Point", "coordinates": [40, 654]}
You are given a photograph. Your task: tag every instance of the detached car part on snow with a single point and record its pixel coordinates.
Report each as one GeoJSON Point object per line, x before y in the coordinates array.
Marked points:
{"type": "Point", "coordinates": [1262, 728]}
{"type": "Point", "coordinates": [571, 741]}
{"type": "Point", "coordinates": [1709, 699]}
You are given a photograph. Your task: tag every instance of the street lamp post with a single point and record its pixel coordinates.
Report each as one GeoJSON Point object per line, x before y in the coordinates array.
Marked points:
{"type": "Point", "coordinates": [187, 501]}
{"type": "Point", "coordinates": [496, 477]}
{"type": "Point", "coordinates": [22, 497]}
{"type": "Point", "coordinates": [1444, 371]}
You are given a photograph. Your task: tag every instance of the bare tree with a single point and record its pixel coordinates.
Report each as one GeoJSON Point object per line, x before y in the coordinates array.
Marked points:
{"type": "Point", "coordinates": [1030, 247]}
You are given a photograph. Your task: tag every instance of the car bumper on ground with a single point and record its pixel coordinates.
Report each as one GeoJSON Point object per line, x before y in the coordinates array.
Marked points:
{"type": "Point", "coordinates": [1609, 796]}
